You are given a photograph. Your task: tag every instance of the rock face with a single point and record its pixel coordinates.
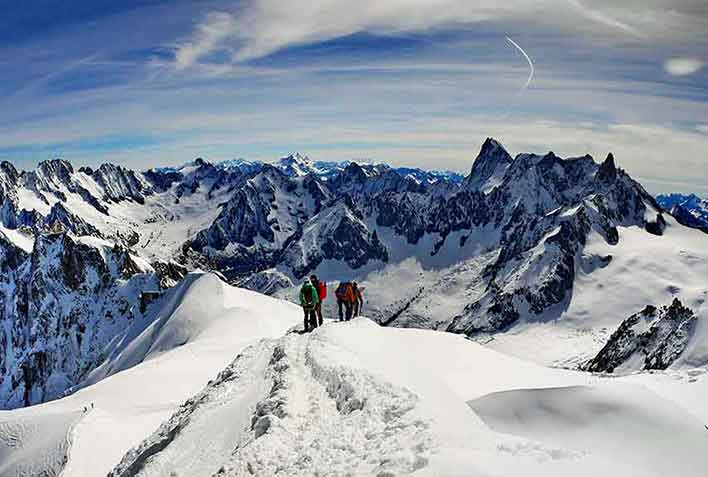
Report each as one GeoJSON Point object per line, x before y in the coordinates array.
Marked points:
{"type": "Point", "coordinates": [268, 281]}
{"type": "Point", "coordinates": [60, 219]}
{"type": "Point", "coordinates": [339, 234]}
{"type": "Point", "coordinates": [545, 208]}
{"type": "Point", "coordinates": [489, 167]}
{"type": "Point", "coordinates": [60, 305]}
{"type": "Point", "coordinates": [651, 339]}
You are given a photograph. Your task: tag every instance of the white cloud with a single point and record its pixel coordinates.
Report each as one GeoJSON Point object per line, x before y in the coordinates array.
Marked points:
{"type": "Point", "coordinates": [683, 66]}
{"type": "Point", "coordinates": [210, 34]}
{"type": "Point", "coordinates": [265, 26]}
{"type": "Point", "coordinates": [269, 25]}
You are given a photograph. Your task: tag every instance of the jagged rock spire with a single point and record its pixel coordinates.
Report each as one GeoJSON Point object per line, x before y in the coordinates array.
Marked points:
{"type": "Point", "coordinates": [607, 172]}
{"type": "Point", "coordinates": [491, 161]}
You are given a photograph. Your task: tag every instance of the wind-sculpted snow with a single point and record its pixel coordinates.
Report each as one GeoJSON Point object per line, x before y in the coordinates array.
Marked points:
{"type": "Point", "coordinates": [619, 423]}
{"type": "Point", "coordinates": [290, 410]}
{"type": "Point", "coordinates": [199, 327]}
{"type": "Point", "coordinates": [349, 398]}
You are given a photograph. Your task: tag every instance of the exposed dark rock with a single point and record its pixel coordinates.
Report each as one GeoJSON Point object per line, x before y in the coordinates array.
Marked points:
{"type": "Point", "coordinates": [60, 217]}
{"type": "Point", "coordinates": [69, 298]}
{"type": "Point", "coordinates": [607, 173]}
{"type": "Point", "coordinates": [654, 338]}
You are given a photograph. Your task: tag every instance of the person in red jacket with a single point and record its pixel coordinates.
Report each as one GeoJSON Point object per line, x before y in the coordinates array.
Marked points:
{"type": "Point", "coordinates": [345, 300]}
{"type": "Point", "coordinates": [322, 293]}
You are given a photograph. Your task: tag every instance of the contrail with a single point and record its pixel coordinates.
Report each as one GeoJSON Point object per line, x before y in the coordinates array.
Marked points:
{"type": "Point", "coordinates": [528, 81]}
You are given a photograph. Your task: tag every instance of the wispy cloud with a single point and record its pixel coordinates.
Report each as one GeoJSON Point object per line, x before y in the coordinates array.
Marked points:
{"type": "Point", "coordinates": [262, 27]}
{"type": "Point", "coordinates": [209, 35]}
{"type": "Point", "coordinates": [265, 26]}
{"type": "Point", "coordinates": [604, 18]}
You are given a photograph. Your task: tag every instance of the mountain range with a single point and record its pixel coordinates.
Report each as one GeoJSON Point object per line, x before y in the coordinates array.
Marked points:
{"type": "Point", "coordinates": [85, 251]}
{"type": "Point", "coordinates": [689, 209]}
{"type": "Point", "coordinates": [559, 262]}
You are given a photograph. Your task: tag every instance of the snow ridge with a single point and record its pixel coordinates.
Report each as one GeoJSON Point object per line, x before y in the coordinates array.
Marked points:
{"type": "Point", "coordinates": [307, 416]}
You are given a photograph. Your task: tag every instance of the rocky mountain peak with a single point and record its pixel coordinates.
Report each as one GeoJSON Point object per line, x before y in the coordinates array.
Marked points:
{"type": "Point", "coordinates": [353, 173]}
{"type": "Point", "coordinates": [8, 171]}
{"type": "Point", "coordinates": [607, 172]}
{"type": "Point", "coordinates": [296, 165]}
{"type": "Point", "coordinates": [489, 166]}
{"type": "Point", "coordinates": [654, 336]}
{"type": "Point", "coordinates": [54, 171]}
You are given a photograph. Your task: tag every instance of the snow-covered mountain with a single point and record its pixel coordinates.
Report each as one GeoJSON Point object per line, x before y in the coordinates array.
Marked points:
{"type": "Point", "coordinates": [296, 165]}
{"type": "Point", "coordinates": [215, 384]}
{"type": "Point", "coordinates": [64, 300]}
{"type": "Point", "coordinates": [524, 246]}
{"type": "Point", "coordinates": [690, 210]}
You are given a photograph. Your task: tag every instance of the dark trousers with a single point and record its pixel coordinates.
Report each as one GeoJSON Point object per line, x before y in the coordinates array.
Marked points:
{"type": "Point", "coordinates": [318, 311]}
{"type": "Point", "coordinates": [345, 310]}
{"type": "Point", "coordinates": [310, 319]}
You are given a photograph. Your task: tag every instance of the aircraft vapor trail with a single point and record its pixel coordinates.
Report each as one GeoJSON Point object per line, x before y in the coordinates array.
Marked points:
{"type": "Point", "coordinates": [528, 81]}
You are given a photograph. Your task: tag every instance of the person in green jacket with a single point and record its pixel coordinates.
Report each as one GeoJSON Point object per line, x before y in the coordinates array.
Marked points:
{"type": "Point", "coordinates": [309, 299]}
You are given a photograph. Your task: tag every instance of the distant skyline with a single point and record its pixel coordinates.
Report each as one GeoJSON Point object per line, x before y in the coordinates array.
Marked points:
{"type": "Point", "coordinates": [408, 82]}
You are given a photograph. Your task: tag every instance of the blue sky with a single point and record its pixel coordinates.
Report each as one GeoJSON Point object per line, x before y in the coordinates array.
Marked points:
{"type": "Point", "coordinates": [410, 82]}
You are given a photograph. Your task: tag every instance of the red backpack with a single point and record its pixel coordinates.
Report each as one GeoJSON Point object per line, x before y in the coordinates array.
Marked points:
{"type": "Point", "coordinates": [341, 291]}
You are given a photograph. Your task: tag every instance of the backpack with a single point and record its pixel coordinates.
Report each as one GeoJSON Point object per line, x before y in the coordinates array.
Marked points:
{"type": "Point", "coordinates": [308, 295]}
{"type": "Point", "coordinates": [322, 290]}
{"type": "Point", "coordinates": [341, 291]}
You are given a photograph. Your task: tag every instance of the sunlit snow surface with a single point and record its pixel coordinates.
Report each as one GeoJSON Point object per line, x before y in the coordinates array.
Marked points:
{"type": "Point", "coordinates": [350, 398]}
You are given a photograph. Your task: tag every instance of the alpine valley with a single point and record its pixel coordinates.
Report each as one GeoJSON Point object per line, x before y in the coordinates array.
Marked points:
{"type": "Point", "coordinates": [574, 305]}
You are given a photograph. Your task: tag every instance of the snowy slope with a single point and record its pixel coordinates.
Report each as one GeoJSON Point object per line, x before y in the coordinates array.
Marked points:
{"type": "Point", "coordinates": [36, 443]}
{"type": "Point", "coordinates": [645, 270]}
{"type": "Point", "coordinates": [348, 398]}
{"type": "Point", "coordinates": [203, 325]}
{"type": "Point", "coordinates": [352, 399]}
{"type": "Point", "coordinates": [619, 423]}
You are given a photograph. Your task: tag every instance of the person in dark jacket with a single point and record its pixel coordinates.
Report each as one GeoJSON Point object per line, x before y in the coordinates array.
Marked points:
{"type": "Point", "coordinates": [321, 288]}
{"type": "Point", "coordinates": [309, 298]}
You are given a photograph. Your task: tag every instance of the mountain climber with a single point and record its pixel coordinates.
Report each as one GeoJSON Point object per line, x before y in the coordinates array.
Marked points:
{"type": "Point", "coordinates": [309, 298]}
{"type": "Point", "coordinates": [321, 294]}
{"type": "Point", "coordinates": [345, 300]}
{"type": "Point", "coordinates": [358, 298]}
